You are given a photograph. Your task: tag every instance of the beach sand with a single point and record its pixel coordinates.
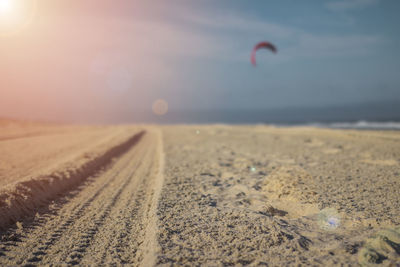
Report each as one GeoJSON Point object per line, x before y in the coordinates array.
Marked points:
{"type": "Point", "coordinates": [276, 196]}
{"type": "Point", "coordinates": [211, 195]}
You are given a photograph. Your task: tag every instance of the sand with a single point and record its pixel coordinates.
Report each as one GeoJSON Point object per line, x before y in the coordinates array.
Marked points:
{"type": "Point", "coordinates": [276, 196]}
{"type": "Point", "coordinates": [211, 195]}
{"type": "Point", "coordinates": [35, 168]}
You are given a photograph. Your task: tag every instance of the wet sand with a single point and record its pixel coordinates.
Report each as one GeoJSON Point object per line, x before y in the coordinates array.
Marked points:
{"type": "Point", "coordinates": [198, 195]}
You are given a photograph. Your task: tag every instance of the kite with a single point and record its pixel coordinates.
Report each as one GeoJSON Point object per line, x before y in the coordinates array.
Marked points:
{"type": "Point", "coordinates": [266, 45]}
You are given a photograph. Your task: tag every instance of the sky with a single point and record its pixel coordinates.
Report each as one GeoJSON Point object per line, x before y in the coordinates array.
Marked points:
{"type": "Point", "coordinates": [93, 60]}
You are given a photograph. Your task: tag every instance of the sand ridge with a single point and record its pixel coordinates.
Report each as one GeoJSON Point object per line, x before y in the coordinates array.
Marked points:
{"type": "Point", "coordinates": [108, 219]}
{"type": "Point", "coordinates": [80, 155]}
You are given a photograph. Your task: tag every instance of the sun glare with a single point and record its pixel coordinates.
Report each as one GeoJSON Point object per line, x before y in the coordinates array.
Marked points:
{"type": "Point", "coordinates": [7, 7]}
{"type": "Point", "coordinates": [15, 15]}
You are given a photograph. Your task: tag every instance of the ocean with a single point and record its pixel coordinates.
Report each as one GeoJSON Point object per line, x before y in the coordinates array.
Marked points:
{"type": "Point", "coordinates": [385, 116]}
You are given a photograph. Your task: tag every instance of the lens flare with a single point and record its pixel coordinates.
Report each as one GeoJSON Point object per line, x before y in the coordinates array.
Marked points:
{"type": "Point", "coordinates": [160, 107]}
{"type": "Point", "coordinates": [16, 15]}
{"type": "Point", "coordinates": [329, 219]}
{"type": "Point", "coordinates": [6, 7]}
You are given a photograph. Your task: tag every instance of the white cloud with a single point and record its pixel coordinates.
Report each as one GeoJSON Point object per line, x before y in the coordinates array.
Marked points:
{"type": "Point", "coordinates": [350, 4]}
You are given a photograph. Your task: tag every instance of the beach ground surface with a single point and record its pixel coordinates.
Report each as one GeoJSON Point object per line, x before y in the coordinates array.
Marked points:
{"type": "Point", "coordinates": [198, 195]}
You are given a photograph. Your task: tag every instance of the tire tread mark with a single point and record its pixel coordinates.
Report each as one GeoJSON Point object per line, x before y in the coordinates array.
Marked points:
{"type": "Point", "coordinates": [73, 218]}
{"type": "Point", "coordinates": [50, 240]}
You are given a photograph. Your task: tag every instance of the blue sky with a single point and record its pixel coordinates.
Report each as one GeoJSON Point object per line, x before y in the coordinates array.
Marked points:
{"type": "Point", "coordinates": [99, 58]}
{"type": "Point", "coordinates": [330, 52]}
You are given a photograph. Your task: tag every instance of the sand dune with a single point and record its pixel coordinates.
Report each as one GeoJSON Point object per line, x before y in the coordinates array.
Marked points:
{"type": "Point", "coordinates": [199, 195]}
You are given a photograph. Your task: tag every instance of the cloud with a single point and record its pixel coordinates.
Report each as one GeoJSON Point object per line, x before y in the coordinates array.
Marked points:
{"type": "Point", "coordinates": [350, 4]}
{"type": "Point", "coordinates": [293, 43]}
{"type": "Point", "coordinates": [235, 22]}
{"type": "Point", "coordinates": [321, 46]}
{"type": "Point", "coordinates": [178, 57]}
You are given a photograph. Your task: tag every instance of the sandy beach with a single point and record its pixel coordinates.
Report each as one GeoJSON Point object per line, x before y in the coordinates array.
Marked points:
{"type": "Point", "coordinates": [211, 195]}
{"type": "Point", "coordinates": [199, 133]}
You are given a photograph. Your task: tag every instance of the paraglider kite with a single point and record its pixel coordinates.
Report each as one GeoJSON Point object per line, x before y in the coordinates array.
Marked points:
{"type": "Point", "coordinates": [266, 45]}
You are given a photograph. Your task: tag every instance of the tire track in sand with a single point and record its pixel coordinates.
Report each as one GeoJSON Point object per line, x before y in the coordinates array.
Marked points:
{"type": "Point", "coordinates": [111, 220]}
{"type": "Point", "coordinates": [34, 249]}
{"type": "Point", "coordinates": [151, 246]}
